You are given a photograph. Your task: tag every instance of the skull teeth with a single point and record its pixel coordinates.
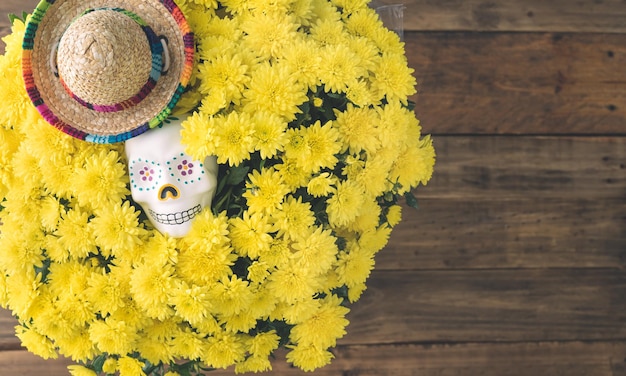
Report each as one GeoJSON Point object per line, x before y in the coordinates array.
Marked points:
{"type": "Point", "coordinates": [175, 218]}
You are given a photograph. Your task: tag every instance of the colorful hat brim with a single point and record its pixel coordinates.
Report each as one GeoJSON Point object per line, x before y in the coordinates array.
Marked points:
{"type": "Point", "coordinates": [44, 30]}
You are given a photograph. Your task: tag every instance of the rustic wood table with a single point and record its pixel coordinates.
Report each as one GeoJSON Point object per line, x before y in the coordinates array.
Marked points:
{"type": "Point", "coordinates": [514, 263]}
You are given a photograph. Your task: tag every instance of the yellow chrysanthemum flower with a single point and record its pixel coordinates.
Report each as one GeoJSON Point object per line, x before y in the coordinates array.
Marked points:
{"type": "Point", "coordinates": [414, 166]}
{"type": "Point", "coordinates": [324, 327]}
{"type": "Point", "coordinates": [309, 357]}
{"type": "Point", "coordinates": [317, 251]}
{"type": "Point", "coordinates": [150, 286]}
{"type": "Point", "coordinates": [292, 283]}
{"type": "Point", "coordinates": [368, 218]}
{"type": "Point", "coordinates": [128, 366]}
{"type": "Point", "coordinates": [294, 218]}
{"type": "Point", "coordinates": [364, 22]}
{"type": "Point", "coordinates": [265, 191]}
{"type": "Point", "coordinates": [345, 204]}
{"type": "Point", "coordinates": [293, 174]}
{"type": "Point", "coordinates": [269, 134]}
{"type": "Point", "coordinates": [372, 241]}
{"type": "Point", "coordinates": [104, 293]}
{"type": "Point", "coordinates": [302, 11]}
{"type": "Point", "coordinates": [313, 147]}
{"type": "Point", "coordinates": [20, 255]}
{"type": "Point", "coordinates": [158, 250]}
{"type": "Point", "coordinates": [75, 234]}
{"type": "Point", "coordinates": [77, 346]}
{"type": "Point", "coordinates": [355, 265]}
{"type": "Point", "coordinates": [297, 311]}
{"type": "Point", "coordinates": [278, 253]}
{"type": "Point", "coordinates": [223, 350]}
{"type": "Point", "coordinates": [268, 34]}
{"type": "Point", "coordinates": [303, 60]}
{"type": "Point", "coordinates": [394, 215]}
{"type": "Point", "coordinates": [231, 296]}
{"type": "Point", "coordinates": [358, 128]}
{"type": "Point", "coordinates": [102, 180]}
{"type": "Point", "coordinates": [205, 265]}
{"type": "Point", "coordinates": [263, 344]}
{"type": "Point", "coordinates": [253, 364]}
{"type": "Point", "coordinates": [340, 68]}
{"type": "Point", "coordinates": [208, 229]}
{"type": "Point", "coordinates": [242, 322]}
{"type": "Point", "coordinates": [395, 121]}
{"type": "Point", "coordinates": [188, 343]}
{"type": "Point", "coordinates": [36, 343]}
{"type": "Point", "coordinates": [274, 89]}
{"type": "Point", "coordinates": [328, 32]}
{"type": "Point", "coordinates": [224, 75]}
{"type": "Point", "coordinates": [393, 79]}
{"type": "Point", "coordinates": [154, 350]}
{"type": "Point", "coordinates": [233, 138]}
{"type": "Point", "coordinates": [191, 302]}
{"type": "Point", "coordinates": [322, 185]}
{"type": "Point", "coordinates": [250, 234]}
{"type": "Point", "coordinates": [78, 370]}
{"type": "Point", "coordinates": [113, 336]}
{"type": "Point", "coordinates": [209, 4]}
{"type": "Point", "coordinates": [116, 228]}
{"type": "Point", "coordinates": [198, 135]}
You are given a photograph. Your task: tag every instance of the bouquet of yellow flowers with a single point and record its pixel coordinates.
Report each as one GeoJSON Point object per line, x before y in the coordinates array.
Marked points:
{"type": "Point", "coordinates": [305, 105]}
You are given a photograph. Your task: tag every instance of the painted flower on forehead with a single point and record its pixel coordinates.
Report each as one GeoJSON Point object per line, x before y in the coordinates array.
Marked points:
{"type": "Point", "coordinates": [244, 217]}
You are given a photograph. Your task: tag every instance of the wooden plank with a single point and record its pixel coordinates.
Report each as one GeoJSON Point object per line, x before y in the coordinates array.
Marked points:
{"type": "Point", "coordinates": [488, 167]}
{"type": "Point", "coordinates": [490, 305]}
{"type": "Point", "coordinates": [23, 363]}
{"type": "Point", "coordinates": [496, 233]}
{"type": "Point", "coordinates": [514, 15]}
{"type": "Point", "coordinates": [519, 83]}
{"type": "Point", "coordinates": [480, 15]}
{"type": "Point", "coordinates": [8, 340]}
{"type": "Point", "coordinates": [486, 359]}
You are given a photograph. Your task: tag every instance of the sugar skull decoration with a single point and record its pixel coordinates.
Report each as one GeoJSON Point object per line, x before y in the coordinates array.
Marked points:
{"type": "Point", "coordinates": [171, 187]}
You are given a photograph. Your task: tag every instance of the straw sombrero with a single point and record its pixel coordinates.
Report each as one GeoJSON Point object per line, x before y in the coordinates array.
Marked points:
{"type": "Point", "coordinates": [106, 70]}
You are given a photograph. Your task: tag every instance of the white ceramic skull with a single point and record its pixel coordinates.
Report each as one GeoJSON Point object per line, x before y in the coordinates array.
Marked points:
{"type": "Point", "coordinates": [171, 187]}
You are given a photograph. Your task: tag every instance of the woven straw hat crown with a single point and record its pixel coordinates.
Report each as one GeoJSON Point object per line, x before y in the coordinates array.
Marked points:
{"type": "Point", "coordinates": [104, 57]}
{"type": "Point", "coordinates": [107, 70]}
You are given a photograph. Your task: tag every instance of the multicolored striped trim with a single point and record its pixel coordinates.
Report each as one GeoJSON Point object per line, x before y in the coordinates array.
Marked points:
{"type": "Point", "coordinates": [50, 117]}
{"type": "Point", "coordinates": [156, 48]}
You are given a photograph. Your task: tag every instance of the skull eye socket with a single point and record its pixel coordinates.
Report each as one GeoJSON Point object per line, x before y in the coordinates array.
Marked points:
{"type": "Point", "coordinates": [145, 174]}
{"type": "Point", "coordinates": [185, 169]}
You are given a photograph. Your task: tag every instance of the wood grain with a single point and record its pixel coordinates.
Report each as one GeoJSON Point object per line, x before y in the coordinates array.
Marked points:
{"type": "Point", "coordinates": [605, 16]}
{"type": "Point", "coordinates": [487, 167]}
{"type": "Point", "coordinates": [523, 305]}
{"type": "Point", "coordinates": [514, 15]}
{"type": "Point", "coordinates": [519, 83]}
{"type": "Point", "coordinates": [485, 359]}
{"type": "Point", "coordinates": [496, 233]}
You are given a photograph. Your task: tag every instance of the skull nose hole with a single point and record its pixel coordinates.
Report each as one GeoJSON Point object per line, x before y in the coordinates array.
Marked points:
{"type": "Point", "coordinates": [167, 192]}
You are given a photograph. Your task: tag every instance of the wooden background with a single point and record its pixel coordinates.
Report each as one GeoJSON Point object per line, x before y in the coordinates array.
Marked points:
{"type": "Point", "coordinates": [514, 263]}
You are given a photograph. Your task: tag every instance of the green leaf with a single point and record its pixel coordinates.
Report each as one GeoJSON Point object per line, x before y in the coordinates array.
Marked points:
{"type": "Point", "coordinates": [411, 200]}
{"type": "Point", "coordinates": [13, 17]}
{"type": "Point", "coordinates": [98, 363]}
{"type": "Point", "coordinates": [237, 174]}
